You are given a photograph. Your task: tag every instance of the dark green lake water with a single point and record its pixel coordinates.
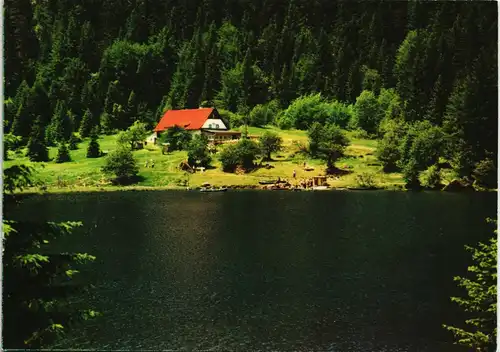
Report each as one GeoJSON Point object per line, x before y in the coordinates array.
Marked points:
{"type": "Point", "coordinates": [322, 271]}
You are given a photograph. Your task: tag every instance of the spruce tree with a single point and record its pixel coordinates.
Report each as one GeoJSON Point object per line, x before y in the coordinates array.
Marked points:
{"type": "Point", "coordinates": [62, 154]}
{"type": "Point", "coordinates": [73, 142]}
{"type": "Point", "coordinates": [61, 125]}
{"type": "Point", "coordinates": [131, 109]}
{"type": "Point", "coordinates": [20, 114]}
{"type": "Point", "coordinates": [37, 148]}
{"type": "Point", "coordinates": [86, 124]}
{"type": "Point", "coordinates": [93, 150]}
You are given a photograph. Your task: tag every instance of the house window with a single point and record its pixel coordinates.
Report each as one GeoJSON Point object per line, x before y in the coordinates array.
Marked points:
{"type": "Point", "coordinates": [217, 126]}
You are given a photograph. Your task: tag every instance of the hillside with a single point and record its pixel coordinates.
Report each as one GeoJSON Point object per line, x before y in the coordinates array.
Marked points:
{"type": "Point", "coordinates": [84, 174]}
{"type": "Point", "coordinates": [394, 70]}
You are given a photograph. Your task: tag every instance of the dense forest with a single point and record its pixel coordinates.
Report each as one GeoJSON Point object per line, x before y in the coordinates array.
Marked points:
{"type": "Point", "coordinates": [75, 65]}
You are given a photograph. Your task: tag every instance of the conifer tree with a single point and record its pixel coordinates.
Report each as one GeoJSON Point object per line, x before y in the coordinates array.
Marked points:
{"type": "Point", "coordinates": [22, 110]}
{"type": "Point", "coordinates": [62, 154]}
{"type": "Point", "coordinates": [131, 109]}
{"type": "Point", "coordinates": [37, 149]}
{"type": "Point", "coordinates": [73, 142]}
{"type": "Point", "coordinates": [87, 124]}
{"type": "Point", "coordinates": [93, 150]}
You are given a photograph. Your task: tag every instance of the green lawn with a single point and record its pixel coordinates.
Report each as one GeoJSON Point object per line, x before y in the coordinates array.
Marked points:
{"type": "Point", "coordinates": [85, 174]}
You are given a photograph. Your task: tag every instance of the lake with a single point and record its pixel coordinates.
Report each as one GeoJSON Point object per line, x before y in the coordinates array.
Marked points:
{"type": "Point", "coordinates": [250, 270]}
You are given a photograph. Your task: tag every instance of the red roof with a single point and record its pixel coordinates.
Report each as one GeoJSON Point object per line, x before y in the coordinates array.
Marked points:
{"type": "Point", "coordinates": [189, 119]}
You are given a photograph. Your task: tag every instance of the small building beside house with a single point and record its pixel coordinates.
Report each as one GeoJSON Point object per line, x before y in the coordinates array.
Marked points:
{"type": "Point", "coordinates": [196, 121]}
{"type": "Point", "coordinates": [151, 139]}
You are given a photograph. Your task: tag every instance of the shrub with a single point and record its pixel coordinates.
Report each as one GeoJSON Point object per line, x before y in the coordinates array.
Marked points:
{"type": "Point", "coordinates": [247, 151]}
{"type": "Point", "coordinates": [485, 173]}
{"type": "Point", "coordinates": [260, 116]}
{"type": "Point", "coordinates": [367, 112]}
{"type": "Point", "coordinates": [265, 114]}
{"type": "Point", "coordinates": [121, 164]}
{"type": "Point", "coordinates": [365, 180]}
{"type": "Point", "coordinates": [62, 154]}
{"type": "Point", "coordinates": [198, 153]}
{"type": "Point", "coordinates": [10, 142]}
{"type": "Point", "coordinates": [229, 158]}
{"type": "Point", "coordinates": [422, 145]}
{"type": "Point", "coordinates": [431, 178]}
{"type": "Point", "coordinates": [304, 111]}
{"type": "Point", "coordinates": [361, 134]}
{"type": "Point", "coordinates": [338, 114]}
{"type": "Point", "coordinates": [410, 174]}
{"type": "Point", "coordinates": [388, 148]}
{"type": "Point", "coordinates": [241, 154]}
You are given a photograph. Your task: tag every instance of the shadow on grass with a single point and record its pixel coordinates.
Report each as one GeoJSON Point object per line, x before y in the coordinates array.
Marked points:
{"type": "Point", "coordinates": [335, 171]}
{"type": "Point", "coordinates": [127, 180]}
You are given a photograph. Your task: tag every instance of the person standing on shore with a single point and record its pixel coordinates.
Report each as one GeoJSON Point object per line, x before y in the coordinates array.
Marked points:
{"type": "Point", "coordinates": [294, 174]}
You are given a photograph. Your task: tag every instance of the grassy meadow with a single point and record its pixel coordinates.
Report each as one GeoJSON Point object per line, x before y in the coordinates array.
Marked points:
{"type": "Point", "coordinates": [84, 174]}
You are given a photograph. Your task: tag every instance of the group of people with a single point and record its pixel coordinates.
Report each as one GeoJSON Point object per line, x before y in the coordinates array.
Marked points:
{"type": "Point", "coordinates": [307, 183]}
{"type": "Point", "coordinates": [151, 163]}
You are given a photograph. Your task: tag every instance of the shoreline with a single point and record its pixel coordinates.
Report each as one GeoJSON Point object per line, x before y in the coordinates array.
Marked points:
{"type": "Point", "coordinates": [104, 189]}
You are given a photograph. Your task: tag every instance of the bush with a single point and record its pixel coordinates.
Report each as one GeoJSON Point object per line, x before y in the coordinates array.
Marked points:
{"type": "Point", "coordinates": [198, 153]}
{"type": "Point", "coordinates": [304, 111]}
{"type": "Point", "coordinates": [431, 178]}
{"type": "Point", "coordinates": [361, 134]}
{"type": "Point", "coordinates": [388, 148]}
{"type": "Point", "coordinates": [262, 115]}
{"type": "Point", "coordinates": [62, 154]}
{"type": "Point", "coordinates": [241, 154]}
{"type": "Point", "coordinates": [365, 180]}
{"type": "Point", "coordinates": [229, 158]}
{"type": "Point", "coordinates": [410, 174]}
{"type": "Point", "coordinates": [367, 112]}
{"type": "Point", "coordinates": [485, 173]}
{"type": "Point", "coordinates": [339, 114]}
{"type": "Point", "coordinates": [121, 164]}
{"type": "Point", "coordinates": [422, 145]}
{"type": "Point", "coordinates": [10, 142]}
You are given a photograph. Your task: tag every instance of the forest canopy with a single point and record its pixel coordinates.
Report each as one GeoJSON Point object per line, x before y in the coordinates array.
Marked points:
{"type": "Point", "coordinates": [355, 64]}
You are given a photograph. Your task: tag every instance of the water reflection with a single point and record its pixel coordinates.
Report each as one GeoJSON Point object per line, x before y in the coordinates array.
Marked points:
{"type": "Point", "coordinates": [369, 271]}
